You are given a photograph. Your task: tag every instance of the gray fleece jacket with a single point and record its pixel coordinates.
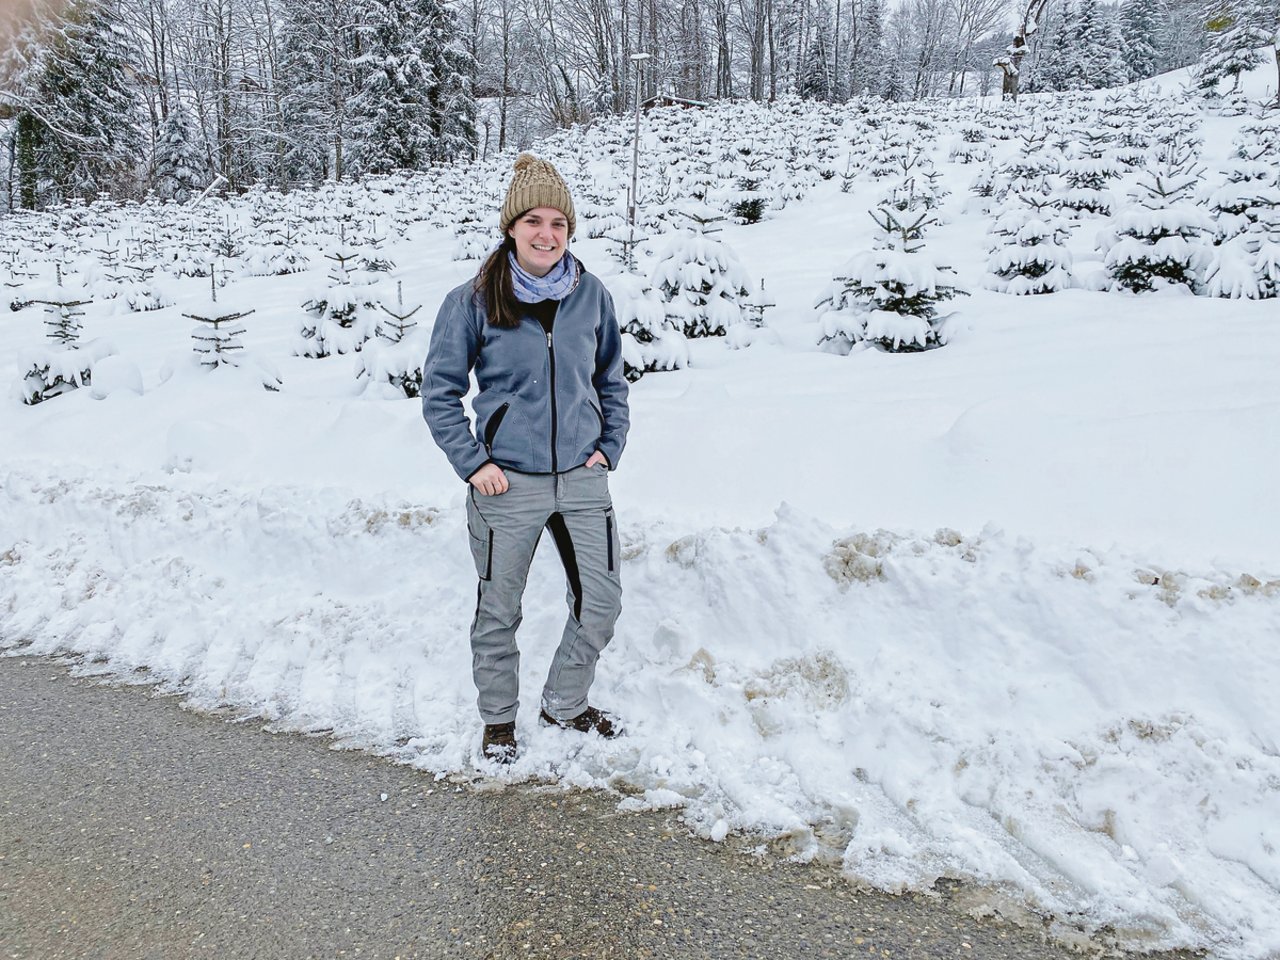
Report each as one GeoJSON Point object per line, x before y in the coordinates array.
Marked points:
{"type": "Point", "coordinates": [546, 401]}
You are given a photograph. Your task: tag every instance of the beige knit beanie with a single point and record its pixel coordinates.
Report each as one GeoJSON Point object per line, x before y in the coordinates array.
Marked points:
{"type": "Point", "coordinates": [536, 183]}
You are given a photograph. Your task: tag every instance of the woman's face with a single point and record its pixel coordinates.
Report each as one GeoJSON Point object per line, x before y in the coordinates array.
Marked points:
{"type": "Point", "coordinates": [540, 235]}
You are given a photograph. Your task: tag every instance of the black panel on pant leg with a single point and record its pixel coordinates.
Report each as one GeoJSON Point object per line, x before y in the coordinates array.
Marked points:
{"type": "Point", "coordinates": [564, 543]}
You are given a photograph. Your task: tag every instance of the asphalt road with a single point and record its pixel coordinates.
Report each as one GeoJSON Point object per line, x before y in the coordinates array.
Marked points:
{"type": "Point", "coordinates": [132, 829]}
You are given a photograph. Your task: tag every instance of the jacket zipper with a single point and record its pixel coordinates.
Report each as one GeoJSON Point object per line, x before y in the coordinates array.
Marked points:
{"type": "Point", "coordinates": [551, 355]}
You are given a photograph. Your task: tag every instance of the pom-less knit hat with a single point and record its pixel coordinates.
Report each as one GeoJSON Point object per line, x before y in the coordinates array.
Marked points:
{"type": "Point", "coordinates": [536, 183]}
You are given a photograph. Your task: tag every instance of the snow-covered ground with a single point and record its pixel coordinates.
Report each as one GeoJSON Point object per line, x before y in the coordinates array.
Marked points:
{"type": "Point", "coordinates": [1005, 611]}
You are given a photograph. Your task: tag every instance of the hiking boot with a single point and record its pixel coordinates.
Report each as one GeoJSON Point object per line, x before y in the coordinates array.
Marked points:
{"type": "Point", "coordinates": [588, 720]}
{"type": "Point", "coordinates": [499, 742]}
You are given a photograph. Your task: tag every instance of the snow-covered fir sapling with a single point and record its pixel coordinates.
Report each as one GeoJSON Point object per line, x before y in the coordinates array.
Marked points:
{"type": "Point", "coordinates": [986, 187]}
{"type": "Point", "coordinates": [1251, 190]}
{"type": "Point", "coordinates": [141, 289]}
{"type": "Point", "coordinates": [1028, 256]}
{"type": "Point", "coordinates": [650, 341]}
{"type": "Point", "coordinates": [888, 153]}
{"type": "Point", "coordinates": [971, 146]}
{"type": "Point", "coordinates": [624, 240]}
{"type": "Point", "coordinates": [1259, 139]}
{"type": "Point", "coordinates": [48, 372]}
{"type": "Point", "coordinates": [215, 341]}
{"type": "Point", "coordinates": [848, 176]}
{"type": "Point", "coordinates": [1246, 259]}
{"type": "Point", "coordinates": [62, 312]}
{"type": "Point", "coordinates": [700, 278]}
{"type": "Point", "coordinates": [229, 242]}
{"type": "Point", "coordinates": [391, 364]}
{"type": "Point", "coordinates": [343, 316]}
{"type": "Point", "coordinates": [284, 254]}
{"type": "Point", "coordinates": [1160, 240]}
{"type": "Point", "coordinates": [888, 296]}
{"type": "Point", "coordinates": [747, 198]}
{"type": "Point", "coordinates": [1087, 173]}
{"type": "Point", "coordinates": [216, 337]}
{"type": "Point", "coordinates": [1036, 158]}
{"type": "Point", "coordinates": [753, 329]}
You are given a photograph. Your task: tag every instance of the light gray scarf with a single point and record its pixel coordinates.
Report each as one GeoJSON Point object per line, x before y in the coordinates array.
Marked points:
{"type": "Point", "coordinates": [559, 282]}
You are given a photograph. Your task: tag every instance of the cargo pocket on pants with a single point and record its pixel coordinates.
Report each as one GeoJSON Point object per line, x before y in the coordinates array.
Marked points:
{"type": "Point", "coordinates": [611, 537]}
{"type": "Point", "coordinates": [481, 536]}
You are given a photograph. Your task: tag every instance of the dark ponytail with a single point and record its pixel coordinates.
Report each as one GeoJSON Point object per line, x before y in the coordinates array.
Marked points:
{"type": "Point", "coordinates": [494, 290]}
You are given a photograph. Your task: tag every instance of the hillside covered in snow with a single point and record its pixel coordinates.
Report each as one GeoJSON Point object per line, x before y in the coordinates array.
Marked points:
{"type": "Point", "coordinates": [948, 510]}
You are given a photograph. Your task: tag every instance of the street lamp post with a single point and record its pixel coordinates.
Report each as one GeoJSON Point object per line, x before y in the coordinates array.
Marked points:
{"type": "Point", "coordinates": [637, 59]}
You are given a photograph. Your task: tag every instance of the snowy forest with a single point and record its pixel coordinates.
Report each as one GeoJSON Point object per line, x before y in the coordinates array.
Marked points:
{"type": "Point", "coordinates": [104, 96]}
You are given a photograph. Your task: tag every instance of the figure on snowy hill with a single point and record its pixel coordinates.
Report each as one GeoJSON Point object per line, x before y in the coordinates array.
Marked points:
{"type": "Point", "coordinates": [551, 420]}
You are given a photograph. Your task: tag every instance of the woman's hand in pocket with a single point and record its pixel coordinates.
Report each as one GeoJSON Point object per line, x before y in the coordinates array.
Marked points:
{"type": "Point", "coordinates": [490, 480]}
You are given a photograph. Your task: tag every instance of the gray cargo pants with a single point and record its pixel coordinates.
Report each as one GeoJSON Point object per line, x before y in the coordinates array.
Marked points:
{"type": "Point", "coordinates": [504, 531]}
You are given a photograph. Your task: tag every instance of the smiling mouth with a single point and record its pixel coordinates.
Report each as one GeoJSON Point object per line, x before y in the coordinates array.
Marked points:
{"type": "Point", "coordinates": [541, 248]}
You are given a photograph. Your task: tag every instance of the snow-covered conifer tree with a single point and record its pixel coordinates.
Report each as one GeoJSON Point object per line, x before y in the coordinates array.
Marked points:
{"type": "Point", "coordinates": [1235, 34]}
{"type": "Point", "coordinates": [451, 104]}
{"type": "Point", "coordinates": [181, 170]}
{"type": "Point", "coordinates": [1161, 239]}
{"type": "Point", "coordinates": [700, 279]}
{"type": "Point", "coordinates": [343, 316]}
{"type": "Point", "coordinates": [888, 296]}
{"type": "Point", "coordinates": [650, 341]}
{"type": "Point", "coordinates": [51, 371]}
{"type": "Point", "coordinates": [390, 365]}
{"type": "Point", "coordinates": [1249, 193]}
{"type": "Point", "coordinates": [1087, 173]}
{"type": "Point", "coordinates": [813, 81]}
{"type": "Point", "coordinates": [390, 117]}
{"type": "Point", "coordinates": [97, 145]}
{"type": "Point", "coordinates": [747, 198]}
{"type": "Point", "coordinates": [1140, 22]}
{"type": "Point", "coordinates": [1029, 256]}
{"type": "Point", "coordinates": [1246, 259]}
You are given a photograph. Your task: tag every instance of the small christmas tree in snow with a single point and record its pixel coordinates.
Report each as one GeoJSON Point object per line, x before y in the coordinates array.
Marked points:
{"type": "Point", "coordinates": [1250, 192]}
{"type": "Point", "coordinates": [746, 169]}
{"type": "Point", "coordinates": [1246, 260]}
{"type": "Point", "coordinates": [48, 372]}
{"type": "Point", "coordinates": [753, 330]}
{"type": "Point", "coordinates": [1161, 240]}
{"type": "Point", "coordinates": [1036, 159]}
{"type": "Point", "coordinates": [1029, 256]}
{"type": "Point", "coordinates": [391, 365]}
{"type": "Point", "coordinates": [1247, 265]}
{"type": "Point", "coordinates": [216, 340]}
{"type": "Point", "coordinates": [343, 316]}
{"type": "Point", "coordinates": [1087, 175]}
{"type": "Point", "coordinates": [700, 279]}
{"type": "Point", "coordinates": [888, 296]}
{"type": "Point", "coordinates": [283, 254]}
{"type": "Point", "coordinates": [650, 342]}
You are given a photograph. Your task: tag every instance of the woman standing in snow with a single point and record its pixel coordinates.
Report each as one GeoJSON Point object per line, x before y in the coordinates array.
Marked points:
{"type": "Point", "coordinates": [551, 421]}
